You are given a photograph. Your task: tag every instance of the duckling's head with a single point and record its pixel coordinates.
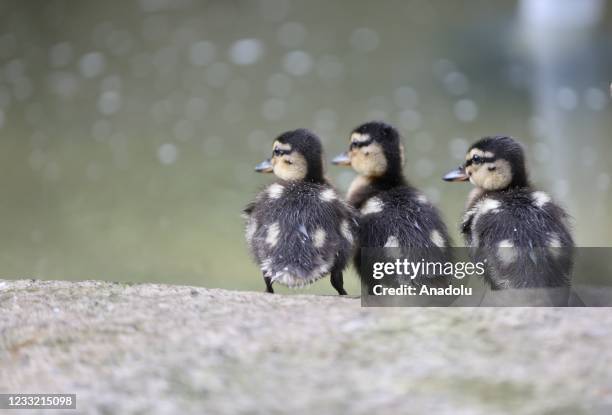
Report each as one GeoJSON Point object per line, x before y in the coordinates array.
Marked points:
{"type": "Point", "coordinates": [493, 163]}
{"type": "Point", "coordinates": [375, 151]}
{"type": "Point", "coordinates": [296, 155]}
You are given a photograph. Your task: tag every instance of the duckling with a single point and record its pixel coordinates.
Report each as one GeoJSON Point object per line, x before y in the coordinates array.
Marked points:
{"type": "Point", "coordinates": [393, 214]}
{"type": "Point", "coordinates": [520, 232]}
{"type": "Point", "coordinates": [297, 228]}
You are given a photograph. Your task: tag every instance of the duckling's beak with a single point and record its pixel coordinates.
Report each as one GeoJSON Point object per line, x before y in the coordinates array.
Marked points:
{"type": "Point", "coordinates": [342, 160]}
{"type": "Point", "coordinates": [264, 167]}
{"type": "Point", "coordinates": [457, 175]}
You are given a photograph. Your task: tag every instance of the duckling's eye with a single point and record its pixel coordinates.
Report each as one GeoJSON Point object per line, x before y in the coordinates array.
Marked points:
{"type": "Point", "coordinates": [476, 159]}
{"type": "Point", "coordinates": [277, 152]}
{"type": "Point", "coordinates": [353, 145]}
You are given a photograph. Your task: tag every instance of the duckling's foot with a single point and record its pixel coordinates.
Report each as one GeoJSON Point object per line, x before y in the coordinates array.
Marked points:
{"type": "Point", "coordinates": [268, 282]}
{"type": "Point", "coordinates": [338, 282]}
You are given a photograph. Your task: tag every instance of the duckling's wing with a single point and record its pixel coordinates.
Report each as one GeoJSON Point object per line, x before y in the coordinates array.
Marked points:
{"type": "Point", "coordinates": [525, 246]}
{"type": "Point", "coordinates": [401, 218]}
{"type": "Point", "coordinates": [405, 220]}
{"type": "Point", "coordinates": [302, 234]}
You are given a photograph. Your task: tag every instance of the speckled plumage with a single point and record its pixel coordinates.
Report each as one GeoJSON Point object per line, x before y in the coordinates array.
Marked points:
{"type": "Point", "coordinates": [537, 238]}
{"type": "Point", "coordinates": [298, 231]}
{"type": "Point", "coordinates": [300, 215]}
{"type": "Point", "coordinates": [520, 232]}
{"type": "Point", "coordinates": [392, 212]}
{"type": "Point", "coordinates": [404, 220]}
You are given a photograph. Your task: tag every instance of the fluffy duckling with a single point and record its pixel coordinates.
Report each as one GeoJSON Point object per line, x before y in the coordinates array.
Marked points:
{"type": "Point", "coordinates": [393, 214]}
{"type": "Point", "coordinates": [521, 233]}
{"type": "Point", "coordinates": [297, 228]}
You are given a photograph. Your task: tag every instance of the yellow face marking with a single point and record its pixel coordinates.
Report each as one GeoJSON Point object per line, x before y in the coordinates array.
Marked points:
{"type": "Point", "coordinates": [494, 175]}
{"type": "Point", "coordinates": [490, 176]}
{"type": "Point", "coordinates": [288, 164]}
{"type": "Point", "coordinates": [368, 161]}
{"type": "Point", "coordinates": [292, 166]}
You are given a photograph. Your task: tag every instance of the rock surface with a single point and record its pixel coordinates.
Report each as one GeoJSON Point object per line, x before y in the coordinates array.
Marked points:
{"type": "Point", "coordinates": [158, 349]}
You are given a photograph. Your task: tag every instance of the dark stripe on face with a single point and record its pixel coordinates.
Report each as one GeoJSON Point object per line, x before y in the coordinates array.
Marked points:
{"type": "Point", "coordinates": [279, 152]}
{"type": "Point", "coordinates": [359, 144]}
{"type": "Point", "coordinates": [479, 160]}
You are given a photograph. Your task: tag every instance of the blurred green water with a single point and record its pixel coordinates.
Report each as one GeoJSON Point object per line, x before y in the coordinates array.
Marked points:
{"type": "Point", "coordinates": [129, 129]}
